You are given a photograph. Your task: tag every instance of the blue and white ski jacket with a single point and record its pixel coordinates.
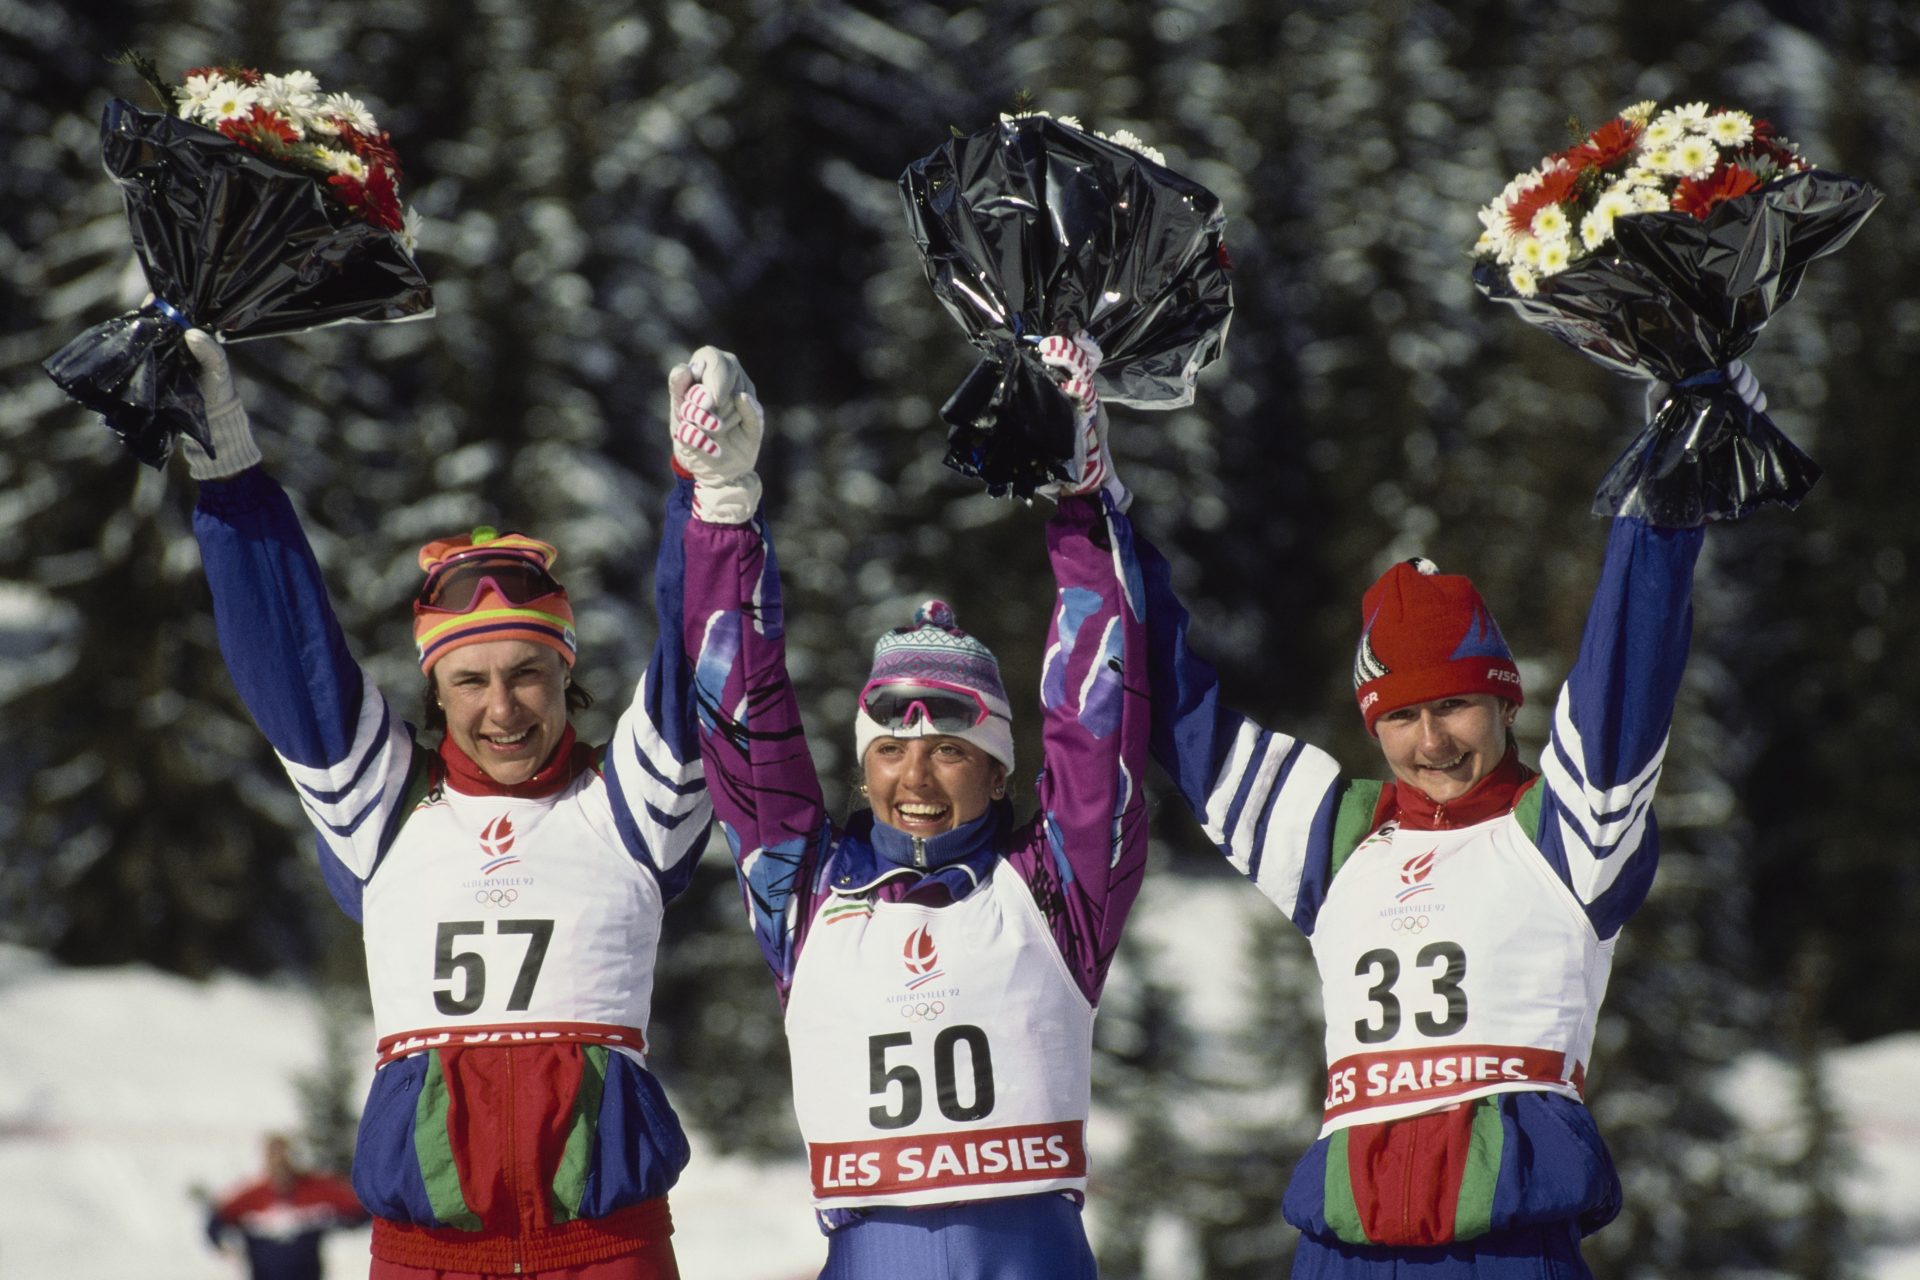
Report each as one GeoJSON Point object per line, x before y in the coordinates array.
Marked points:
{"type": "Point", "coordinates": [519, 1145]}
{"type": "Point", "coordinates": [1490, 1142]}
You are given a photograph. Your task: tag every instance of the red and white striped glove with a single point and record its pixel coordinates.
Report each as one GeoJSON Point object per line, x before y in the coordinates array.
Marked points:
{"type": "Point", "coordinates": [1074, 361]}
{"type": "Point", "coordinates": [717, 425]}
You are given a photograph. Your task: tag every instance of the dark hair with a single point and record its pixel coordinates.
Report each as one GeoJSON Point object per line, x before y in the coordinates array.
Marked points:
{"type": "Point", "coordinates": [433, 718]}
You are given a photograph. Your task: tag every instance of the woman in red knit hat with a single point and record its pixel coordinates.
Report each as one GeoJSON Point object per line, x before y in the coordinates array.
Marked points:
{"type": "Point", "coordinates": [1463, 912]}
{"type": "Point", "coordinates": [509, 881]}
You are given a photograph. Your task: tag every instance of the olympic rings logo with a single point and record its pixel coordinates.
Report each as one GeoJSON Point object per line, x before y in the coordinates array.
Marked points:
{"type": "Point", "coordinates": [925, 1011]}
{"type": "Point", "coordinates": [1409, 924]}
{"type": "Point", "coordinates": [496, 897]}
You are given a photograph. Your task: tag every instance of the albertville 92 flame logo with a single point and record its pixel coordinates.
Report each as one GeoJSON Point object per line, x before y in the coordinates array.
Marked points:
{"type": "Point", "coordinates": [921, 956]}
{"type": "Point", "coordinates": [496, 841]}
{"type": "Point", "coordinates": [1413, 874]}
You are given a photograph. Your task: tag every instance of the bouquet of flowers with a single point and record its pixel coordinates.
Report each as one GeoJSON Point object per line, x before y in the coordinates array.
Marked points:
{"type": "Point", "coordinates": [258, 206]}
{"type": "Point", "coordinates": [1659, 245]}
{"type": "Point", "coordinates": [1035, 226]}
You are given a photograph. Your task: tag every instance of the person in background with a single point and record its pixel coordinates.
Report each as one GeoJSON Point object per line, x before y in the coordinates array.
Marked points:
{"type": "Point", "coordinates": [939, 959]}
{"type": "Point", "coordinates": [1463, 912]}
{"type": "Point", "coordinates": [282, 1216]}
{"type": "Point", "coordinates": [509, 880]}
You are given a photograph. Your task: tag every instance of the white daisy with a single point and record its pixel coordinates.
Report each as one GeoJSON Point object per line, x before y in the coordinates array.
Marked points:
{"type": "Point", "coordinates": [1639, 112]}
{"type": "Point", "coordinates": [350, 109]}
{"type": "Point", "coordinates": [1554, 255]}
{"type": "Point", "coordinates": [233, 99]}
{"type": "Point", "coordinates": [1691, 113]}
{"type": "Point", "coordinates": [1596, 228]}
{"type": "Point", "coordinates": [410, 226]}
{"type": "Point", "coordinates": [1528, 250]}
{"type": "Point", "coordinates": [285, 95]}
{"type": "Point", "coordinates": [1550, 223]}
{"type": "Point", "coordinates": [1133, 142]}
{"type": "Point", "coordinates": [1523, 282]}
{"type": "Point", "coordinates": [196, 95]}
{"type": "Point", "coordinates": [1731, 128]}
{"type": "Point", "coordinates": [1662, 133]}
{"type": "Point", "coordinates": [1695, 156]}
{"type": "Point", "coordinates": [345, 162]}
{"type": "Point", "coordinates": [1650, 200]}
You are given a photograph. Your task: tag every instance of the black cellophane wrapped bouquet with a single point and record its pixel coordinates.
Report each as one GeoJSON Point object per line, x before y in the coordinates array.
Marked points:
{"type": "Point", "coordinates": [1036, 226]}
{"type": "Point", "coordinates": [260, 207]}
{"type": "Point", "coordinates": [1659, 246]}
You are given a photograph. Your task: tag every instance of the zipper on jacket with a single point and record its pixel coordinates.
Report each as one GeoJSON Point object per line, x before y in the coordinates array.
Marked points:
{"type": "Point", "coordinates": [920, 852]}
{"type": "Point", "coordinates": [522, 1226]}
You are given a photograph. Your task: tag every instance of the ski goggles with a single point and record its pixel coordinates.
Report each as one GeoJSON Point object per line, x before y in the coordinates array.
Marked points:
{"type": "Point", "coordinates": [943, 707]}
{"type": "Point", "coordinates": [454, 587]}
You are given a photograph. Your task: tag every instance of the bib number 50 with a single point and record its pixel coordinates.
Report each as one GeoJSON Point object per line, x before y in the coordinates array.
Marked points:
{"type": "Point", "coordinates": [882, 1077]}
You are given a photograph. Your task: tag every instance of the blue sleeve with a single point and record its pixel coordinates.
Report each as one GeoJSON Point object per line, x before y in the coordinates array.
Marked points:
{"type": "Point", "coordinates": [1611, 721]}
{"type": "Point", "coordinates": [656, 782]}
{"type": "Point", "coordinates": [349, 756]}
{"type": "Point", "coordinates": [1270, 802]}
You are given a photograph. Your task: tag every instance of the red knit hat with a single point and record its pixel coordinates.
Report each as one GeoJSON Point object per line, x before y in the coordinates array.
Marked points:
{"type": "Point", "coordinates": [1425, 635]}
{"type": "Point", "coordinates": [489, 585]}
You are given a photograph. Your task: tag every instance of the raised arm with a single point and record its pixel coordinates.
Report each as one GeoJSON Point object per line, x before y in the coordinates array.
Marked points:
{"type": "Point", "coordinates": [350, 757]}
{"type": "Point", "coordinates": [765, 793]}
{"type": "Point", "coordinates": [656, 781]}
{"type": "Point", "coordinates": [1088, 845]}
{"type": "Point", "coordinates": [1277, 808]}
{"type": "Point", "coordinates": [1610, 724]}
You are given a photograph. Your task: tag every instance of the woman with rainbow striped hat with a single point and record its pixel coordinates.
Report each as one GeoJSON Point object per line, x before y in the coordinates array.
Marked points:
{"type": "Point", "coordinates": [509, 880]}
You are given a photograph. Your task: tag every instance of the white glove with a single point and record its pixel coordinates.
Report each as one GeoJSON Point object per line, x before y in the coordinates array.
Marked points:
{"type": "Point", "coordinates": [233, 448]}
{"type": "Point", "coordinates": [717, 425]}
{"type": "Point", "coordinates": [1075, 360]}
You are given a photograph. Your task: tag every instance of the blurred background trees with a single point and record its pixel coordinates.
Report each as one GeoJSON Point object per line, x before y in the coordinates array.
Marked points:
{"type": "Point", "coordinates": [608, 186]}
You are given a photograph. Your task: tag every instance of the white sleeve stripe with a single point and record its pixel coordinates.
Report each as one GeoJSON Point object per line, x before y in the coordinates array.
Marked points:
{"type": "Point", "coordinates": [1283, 858]}
{"type": "Point", "coordinates": [1600, 831]}
{"type": "Point", "coordinates": [1226, 785]}
{"type": "Point", "coordinates": [1589, 875]}
{"type": "Point", "coordinates": [1566, 736]}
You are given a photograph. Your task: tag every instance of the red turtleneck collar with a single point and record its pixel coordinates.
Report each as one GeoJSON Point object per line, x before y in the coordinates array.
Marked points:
{"type": "Point", "coordinates": [568, 761]}
{"type": "Point", "coordinates": [1493, 795]}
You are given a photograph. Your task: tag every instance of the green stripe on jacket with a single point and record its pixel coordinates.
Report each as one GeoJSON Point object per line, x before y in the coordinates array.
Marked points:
{"type": "Point", "coordinates": [433, 1148]}
{"type": "Point", "coordinates": [570, 1179]}
{"type": "Point", "coordinates": [1343, 1215]}
{"type": "Point", "coordinates": [1473, 1213]}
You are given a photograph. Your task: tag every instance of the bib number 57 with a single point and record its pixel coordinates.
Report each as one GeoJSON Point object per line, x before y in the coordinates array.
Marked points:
{"type": "Point", "coordinates": [465, 972]}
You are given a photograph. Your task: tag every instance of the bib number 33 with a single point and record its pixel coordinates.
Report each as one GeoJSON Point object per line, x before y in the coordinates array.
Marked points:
{"type": "Point", "coordinates": [1448, 958]}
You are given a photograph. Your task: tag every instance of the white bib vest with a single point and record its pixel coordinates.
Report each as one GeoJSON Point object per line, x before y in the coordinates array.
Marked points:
{"type": "Point", "coordinates": [940, 1054]}
{"type": "Point", "coordinates": [494, 919]}
{"type": "Point", "coordinates": [1453, 965]}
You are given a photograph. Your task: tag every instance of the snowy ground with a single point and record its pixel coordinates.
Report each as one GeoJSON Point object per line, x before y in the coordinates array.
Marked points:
{"type": "Point", "coordinates": [123, 1090]}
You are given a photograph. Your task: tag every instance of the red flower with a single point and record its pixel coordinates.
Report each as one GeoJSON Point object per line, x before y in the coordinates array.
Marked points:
{"type": "Point", "coordinates": [383, 200]}
{"type": "Point", "coordinates": [1555, 186]}
{"type": "Point", "coordinates": [375, 149]}
{"type": "Point", "coordinates": [1699, 196]}
{"type": "Point", "coordinates": [1611, 143]}
{"type": "Point", "coordinates": [253, 129]}
{"type": "Point", "coordinates": [349, 190]}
